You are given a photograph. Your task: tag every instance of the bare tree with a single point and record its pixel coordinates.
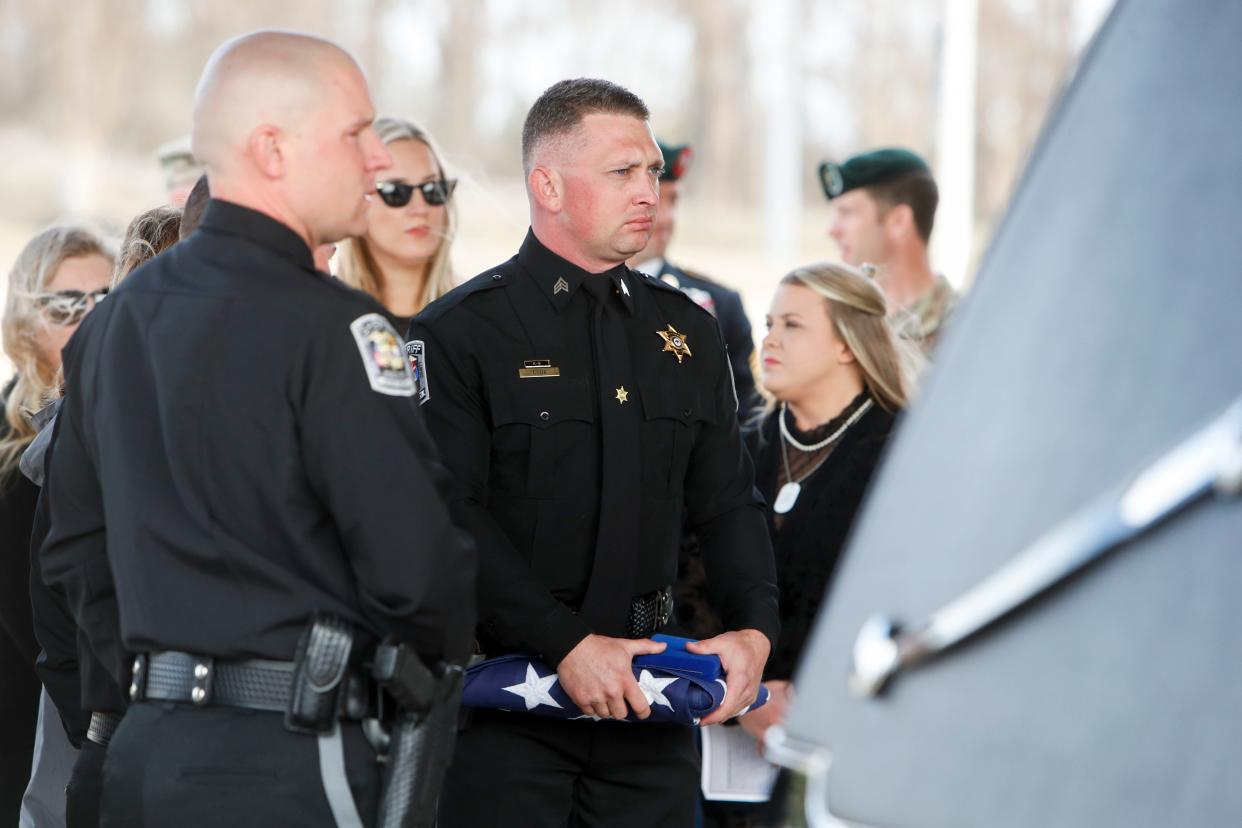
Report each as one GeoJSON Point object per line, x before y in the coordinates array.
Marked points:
{"type": "Point", "coordinates": [721, 101]}
{"type": "Point", "coordinates": [1025, 51]}
{"type": "Point", "coordinates": [459, 67]}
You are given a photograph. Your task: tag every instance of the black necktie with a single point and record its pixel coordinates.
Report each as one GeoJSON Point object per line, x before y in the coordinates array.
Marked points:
{"type": "Point", "coordinates": [609, 592]}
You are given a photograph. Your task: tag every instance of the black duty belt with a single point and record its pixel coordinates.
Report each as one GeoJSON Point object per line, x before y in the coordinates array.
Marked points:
{"type": "Point", "coordinates": [256, 684]}
{"type": "Point", "coordinates": [649, 613]}
{"type": "Point", "coordinates": [102, 726]}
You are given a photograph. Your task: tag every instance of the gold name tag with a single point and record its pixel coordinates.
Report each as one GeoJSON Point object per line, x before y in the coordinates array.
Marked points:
{"type": "Point", "coordinates": [538, 368]}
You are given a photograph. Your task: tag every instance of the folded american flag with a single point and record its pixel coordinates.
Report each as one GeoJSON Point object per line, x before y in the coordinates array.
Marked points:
{"type": "Point", "coordinates": [681, 687]}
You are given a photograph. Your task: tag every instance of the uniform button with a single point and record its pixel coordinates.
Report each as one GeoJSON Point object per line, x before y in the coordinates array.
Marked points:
{"type": "Point", "coordinates": [198, 695]}
{"type": "Point", "coordinates": [137, 666]}
{"type": "Point", "coordinates": [495, 277]}
{"type": "Point", "coordinates": [133, 691]}
{"type": "Point", "coordinates": [545, 416]}
{"type": "Point", "coordinates": [200, 671]}
{"type": "Point", "coordinates": [686, 413]}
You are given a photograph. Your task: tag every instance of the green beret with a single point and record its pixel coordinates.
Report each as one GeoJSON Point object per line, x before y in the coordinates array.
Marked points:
{"type": "Point", "coordinates": [177, 161]}
{"type": "Point", "coordinates": [676, 160]}
{"type": "Point", "coordinates": [873, 167]}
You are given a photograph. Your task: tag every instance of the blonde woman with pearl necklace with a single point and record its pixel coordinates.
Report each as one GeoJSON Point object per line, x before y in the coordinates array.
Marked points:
{"type": "Point", "coordinates": [836, 377]}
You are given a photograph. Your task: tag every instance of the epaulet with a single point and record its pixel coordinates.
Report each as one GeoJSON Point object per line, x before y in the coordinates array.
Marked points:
{"type": "Point", "coordinates": [656, 283]}
{"type": "Point", "coordinates": [694, 274]}
{"type": "Point", "coordinates": [487, 280]}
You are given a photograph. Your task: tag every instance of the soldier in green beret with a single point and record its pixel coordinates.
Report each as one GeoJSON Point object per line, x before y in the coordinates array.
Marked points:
{"type": "Point", "coordinates": [885, 205]}
{"type": "Point", "coordinates": [181, 169]}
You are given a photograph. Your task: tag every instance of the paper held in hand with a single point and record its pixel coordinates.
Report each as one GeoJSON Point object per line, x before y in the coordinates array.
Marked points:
{"type": "Point", "coordinates": [733, 768]}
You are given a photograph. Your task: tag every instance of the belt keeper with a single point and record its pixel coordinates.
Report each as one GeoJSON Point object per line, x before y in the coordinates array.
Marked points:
{"type": "Point", "coordinates": [138, 687]}
{"type": "Point", "coordinates": [204, 674]}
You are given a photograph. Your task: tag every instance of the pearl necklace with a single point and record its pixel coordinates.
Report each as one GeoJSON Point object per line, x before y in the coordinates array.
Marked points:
{"type": "Point", "coordinates": [788, 495]}
{"type": "Point", "coordinates": [831, 438]}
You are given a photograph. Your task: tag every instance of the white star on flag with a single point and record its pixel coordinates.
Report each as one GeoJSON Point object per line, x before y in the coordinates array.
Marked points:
{"type": "Point", "coordinates": [653, 688]}
{"type": "Point", "coordinates": [722, 683]}
{"type": "Point", "coordinates": [535, 690]}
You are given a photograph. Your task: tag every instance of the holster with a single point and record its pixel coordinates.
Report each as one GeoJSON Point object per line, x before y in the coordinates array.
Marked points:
{"type": "Point", "coordinates": [319, 668]}
{"type": "Point", "coordinates": [421, 743]}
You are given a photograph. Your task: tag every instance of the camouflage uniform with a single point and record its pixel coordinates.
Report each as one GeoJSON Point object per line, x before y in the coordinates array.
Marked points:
{"type": "Point", "coordinates": [921, 322]}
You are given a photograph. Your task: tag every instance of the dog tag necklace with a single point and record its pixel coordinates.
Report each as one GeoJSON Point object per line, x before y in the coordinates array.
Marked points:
{"type": "Point", "coordinates": [788, 495]}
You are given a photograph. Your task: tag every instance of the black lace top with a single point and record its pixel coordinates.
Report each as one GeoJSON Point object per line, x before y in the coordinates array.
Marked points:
{"type": "Point", "coordinates": [809, 538]}
{"type": "Point", "coordinates": [803, 464]}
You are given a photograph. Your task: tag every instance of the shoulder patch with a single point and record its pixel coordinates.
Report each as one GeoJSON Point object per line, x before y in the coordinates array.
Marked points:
{"type": "Point", "coordinates": [416, 353]}
{"type": "Point", "coordinates": [380, 347]}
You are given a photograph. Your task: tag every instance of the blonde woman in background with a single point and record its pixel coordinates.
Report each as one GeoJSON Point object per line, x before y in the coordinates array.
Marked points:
{"type": "Point", "coordinates": [403, 260]}
{"type": "Point", "coordinates": [58, 277]}
{"type": "Point", "coordinates": [837, 376]}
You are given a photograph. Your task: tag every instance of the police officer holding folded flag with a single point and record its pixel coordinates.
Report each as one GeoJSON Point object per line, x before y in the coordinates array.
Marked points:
{"type": "Point", "coordinates": [240, 452]}
{"type": "Point", "coordinates": [581, 405]}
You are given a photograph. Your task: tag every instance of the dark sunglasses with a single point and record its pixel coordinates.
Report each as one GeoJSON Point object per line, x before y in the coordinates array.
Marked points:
{"type": "Point", "coordinates": [398, 194]}
{"type": "Point", "coordinates": [68, 307]}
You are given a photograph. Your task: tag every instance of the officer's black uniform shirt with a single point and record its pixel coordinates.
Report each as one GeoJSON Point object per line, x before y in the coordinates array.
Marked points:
{"type": "Point", "coordinates": [225, 444]}
{"type": "Point", "coordinates": [734, 326]}
{"type": "Point", "coordinates": [526, 450]}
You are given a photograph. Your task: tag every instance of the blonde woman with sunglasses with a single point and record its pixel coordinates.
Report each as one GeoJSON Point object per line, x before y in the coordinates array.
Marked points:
{"type": "Point", "coordinates": [403, 260]}
{"type": "Point", "coordinates": [57, 278]}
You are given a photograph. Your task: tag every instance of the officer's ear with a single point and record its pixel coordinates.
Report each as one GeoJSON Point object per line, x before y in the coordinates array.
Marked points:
{"type": "Point", "coordinates": [899, 220]}
{"type": "Point", "coordinates": [546, 187]}
{"type": "Point", "coordinates": [266, 150]}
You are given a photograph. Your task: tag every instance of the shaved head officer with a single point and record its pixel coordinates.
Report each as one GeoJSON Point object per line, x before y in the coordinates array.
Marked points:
{"type": "Point", "coordinates": [238, 467]}
{"type": "Point", "coordinates": [283, 123]}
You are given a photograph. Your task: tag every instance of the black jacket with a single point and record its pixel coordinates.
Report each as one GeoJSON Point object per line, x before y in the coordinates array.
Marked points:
{"type": "Point", "coordinates": [238, 450]}
{"type": "Point", "coordinates": [85, 669]}
{"type": "Point", "coordinates": [19, 687]}
{"type": "Point", "coordinates": [814, 532]}
{"type": "Point", "coordinates": [526, 450]}
{"type": "Point", "coordinates": [17, 507]}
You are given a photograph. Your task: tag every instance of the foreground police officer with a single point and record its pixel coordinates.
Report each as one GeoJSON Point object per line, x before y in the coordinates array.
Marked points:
{"type": "Point", "coordinates": [239, 449]}
{"type": "Point", "coordinates": [580, 405]}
